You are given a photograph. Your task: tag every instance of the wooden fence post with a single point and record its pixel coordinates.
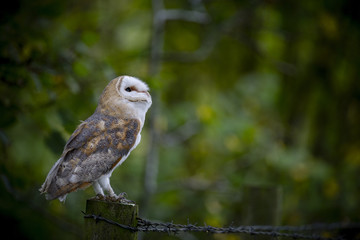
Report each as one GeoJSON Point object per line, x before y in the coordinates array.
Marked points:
{"type": "Point", "coordinates": [123, 213]}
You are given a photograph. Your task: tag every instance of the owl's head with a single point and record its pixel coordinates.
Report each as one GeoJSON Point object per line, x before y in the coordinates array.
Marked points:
{"type": "Point", "coordinates": [133, 89]}
{"type": "Point", "coordinates": [125, 94]}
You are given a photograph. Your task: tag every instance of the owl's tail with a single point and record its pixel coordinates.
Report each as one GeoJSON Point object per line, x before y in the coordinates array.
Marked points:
{"type": "Point", "coordinates": [49, 180]}
{"type": "Point", "coordinates": [55, 187]}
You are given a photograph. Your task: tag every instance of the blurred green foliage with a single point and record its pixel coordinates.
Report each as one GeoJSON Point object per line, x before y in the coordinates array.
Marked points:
{"type": "Point", "coordinates": [275, 100]}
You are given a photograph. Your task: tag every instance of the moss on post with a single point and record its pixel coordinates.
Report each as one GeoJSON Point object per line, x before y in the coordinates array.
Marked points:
{"type": "Point", "coordinates": [123, 213]}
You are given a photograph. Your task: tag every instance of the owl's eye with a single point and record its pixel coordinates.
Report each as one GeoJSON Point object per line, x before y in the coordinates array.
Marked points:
{"type": "Point", "coordinates": [128, 89]}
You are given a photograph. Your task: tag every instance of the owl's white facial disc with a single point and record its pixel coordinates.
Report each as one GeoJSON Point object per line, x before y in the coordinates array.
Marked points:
{"type": "Point", "coordinates": [135, 91]}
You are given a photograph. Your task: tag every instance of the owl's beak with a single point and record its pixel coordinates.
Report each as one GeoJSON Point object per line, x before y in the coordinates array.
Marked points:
{"type": "Point", "coordinates": [146, 92]}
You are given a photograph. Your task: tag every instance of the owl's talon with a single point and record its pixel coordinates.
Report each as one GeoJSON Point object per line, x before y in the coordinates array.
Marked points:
{"type": "Point", "coordinates": [98, 197]}
{"type": "Point", "coordinates": [122, 198]}
{"type": "Point", "coordinates": [122, 195]}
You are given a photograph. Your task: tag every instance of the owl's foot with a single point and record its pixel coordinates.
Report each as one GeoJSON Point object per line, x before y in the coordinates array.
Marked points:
{"type": "Point", "coordinates": [122, 198]}
{"type": "Point", "coordinates": [122, 195]}
{"type": "Point", "coordinates": [99, 197]}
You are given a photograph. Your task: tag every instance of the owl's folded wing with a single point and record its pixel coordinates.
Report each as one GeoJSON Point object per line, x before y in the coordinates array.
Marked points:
{"type": "Point", "coordinates": [93, 150]}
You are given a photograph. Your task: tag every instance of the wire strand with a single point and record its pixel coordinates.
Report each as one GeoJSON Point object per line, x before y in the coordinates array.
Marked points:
{"type": "Point", "coordinates": [294, 232]}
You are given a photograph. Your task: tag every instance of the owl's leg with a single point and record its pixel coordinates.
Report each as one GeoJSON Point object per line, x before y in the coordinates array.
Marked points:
{"type": "Point", "coordinates": [97, 188]}
{"type": "Point", "coordinates": [105, 184]}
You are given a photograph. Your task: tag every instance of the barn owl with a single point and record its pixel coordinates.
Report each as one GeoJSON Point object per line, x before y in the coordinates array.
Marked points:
{"type": "Point", "coordinates": [102, 142]}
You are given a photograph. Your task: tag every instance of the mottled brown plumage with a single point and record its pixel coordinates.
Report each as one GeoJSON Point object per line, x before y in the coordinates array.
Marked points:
{"type": "Point", "coordinates": [102, 142]}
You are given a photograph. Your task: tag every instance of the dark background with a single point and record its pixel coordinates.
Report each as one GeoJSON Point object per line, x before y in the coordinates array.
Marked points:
{"type": "Point", "coordinates": [261, 93]}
